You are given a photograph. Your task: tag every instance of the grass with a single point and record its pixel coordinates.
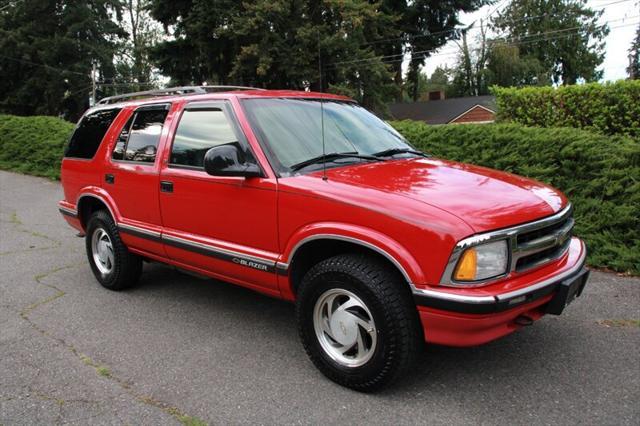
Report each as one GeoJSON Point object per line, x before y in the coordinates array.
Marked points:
{"type": "Point", "coordinates": [620, 322]}
{"type": "Point", "coordinates": [103, 371]}
{"type": "Point", "coordinates": [185, 419]}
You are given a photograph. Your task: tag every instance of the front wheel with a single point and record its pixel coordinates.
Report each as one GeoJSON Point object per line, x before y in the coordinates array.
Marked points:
{"type": "Point", "coordinates": [113, 265]}
{"type": "Point", "coordinates": [357, 321]}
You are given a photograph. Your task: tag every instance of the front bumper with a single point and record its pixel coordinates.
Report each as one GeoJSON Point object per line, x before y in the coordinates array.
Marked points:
{"type": "Point", "coordinates": [467, 317]}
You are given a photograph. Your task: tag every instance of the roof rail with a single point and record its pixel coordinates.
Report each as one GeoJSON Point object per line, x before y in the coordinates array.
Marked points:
{"type": "Point", "coordinates": [171, 91]}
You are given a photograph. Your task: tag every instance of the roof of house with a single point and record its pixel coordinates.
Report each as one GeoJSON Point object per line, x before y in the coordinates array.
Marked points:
{"type": "Point", "coordinates": [440, 112]}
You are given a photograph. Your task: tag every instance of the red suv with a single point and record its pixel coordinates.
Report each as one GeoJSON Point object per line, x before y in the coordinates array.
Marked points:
{"type": "Point", "coordinates": [310, 198]}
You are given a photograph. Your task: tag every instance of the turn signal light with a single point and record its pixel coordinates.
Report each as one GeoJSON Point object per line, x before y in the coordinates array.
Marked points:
{"type": "Point", "coordinates": [467, 266]}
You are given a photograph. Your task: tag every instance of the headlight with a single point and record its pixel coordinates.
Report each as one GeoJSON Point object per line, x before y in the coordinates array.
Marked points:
{"type": "Point", "coordinates": [482, 261]}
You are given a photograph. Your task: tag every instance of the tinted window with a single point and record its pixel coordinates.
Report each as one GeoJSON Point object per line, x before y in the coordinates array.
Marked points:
{"type": "Point", "coordinates": [89, 133]}
{"type": "Point", "coordinates": [138, 140]}
{"type": "Point", "coordinates": [198, 131]}
{"type": "Point", "coordinates": [121, 144]}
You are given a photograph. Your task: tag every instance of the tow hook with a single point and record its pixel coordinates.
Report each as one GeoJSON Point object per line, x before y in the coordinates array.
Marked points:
{"type": "Point", "coordinates": [523, 320]}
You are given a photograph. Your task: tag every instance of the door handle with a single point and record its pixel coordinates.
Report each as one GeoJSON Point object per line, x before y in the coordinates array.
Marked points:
{"type": "Point", "coordinates": [109, 178]}
{"type": "Point", "coordinates": [166, 186]}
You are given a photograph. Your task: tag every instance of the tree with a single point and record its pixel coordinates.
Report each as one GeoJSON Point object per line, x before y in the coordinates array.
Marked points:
{"type": "Point", "coordinates": [277, 44]}
{"type": "Point", "coordinates": [563, 35]}
{"type": "Point", "coordinates": [274, 43]}
{"type": "Point", "coordinates": [423, 27]}
{"type": "Point", "coordinates": [507, 68]}
{"type": "Point", "coordinates": [439, 81]}
{"type": "Point", "coordinates": [202, 45]}
{"type": "Point", "coordinates": [47, 51]}
{"type": "Point", "coordinates": [470, 74]}
{"type": "Point", "coordinates": [134, 68]}
{"type": "Point", "coordinates": [634, 57]}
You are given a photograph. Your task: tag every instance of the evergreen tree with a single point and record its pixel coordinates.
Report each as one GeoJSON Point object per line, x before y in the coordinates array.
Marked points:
{"type": "Point", "coordinates": [274, 43]}
{"type": "Point", "coordinates": [423, 26]}
{"type": "Point", "coordinates": [507, 68]}
{"type": "Point", "coordinates": [47, 48]}
{"type": "Point", "coordinates": [634, 57]}
{"type": "Point", "coordinates": [439, 79]}
{"type": "Point", "coordinates": [203, 43]}
{"type": "Point", "coordinates": [562, 35]}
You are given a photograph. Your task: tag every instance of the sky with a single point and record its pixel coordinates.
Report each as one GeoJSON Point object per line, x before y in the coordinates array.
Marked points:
{"type": "Point", "coordinates": [621, 14]}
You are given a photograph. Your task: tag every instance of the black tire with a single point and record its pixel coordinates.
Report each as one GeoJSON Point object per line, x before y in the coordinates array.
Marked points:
{"type": "Point", "coordinates": [388, 299]}
{"type": "Point", "coordinates": [126, 267]}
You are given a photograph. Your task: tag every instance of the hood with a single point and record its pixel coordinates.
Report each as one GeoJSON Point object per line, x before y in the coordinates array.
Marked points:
{"type": "Point", "coordinates": [485, 199]}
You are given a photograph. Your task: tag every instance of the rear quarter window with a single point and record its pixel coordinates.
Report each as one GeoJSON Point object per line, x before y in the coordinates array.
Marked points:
{"type": "Point", "coordinates": [89, 133]}
{"type": "Point", "coordinates": [138, 140]}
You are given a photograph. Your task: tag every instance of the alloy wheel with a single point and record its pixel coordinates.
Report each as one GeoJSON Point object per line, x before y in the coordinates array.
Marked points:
{"type": "Point", "coordinates": [345, 327]}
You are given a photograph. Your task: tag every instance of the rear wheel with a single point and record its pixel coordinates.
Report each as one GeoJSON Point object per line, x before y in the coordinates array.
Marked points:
{"type": "Point", "coordinates": [357, 321]}
{"type": "Point", "coordinates": [113, 265]}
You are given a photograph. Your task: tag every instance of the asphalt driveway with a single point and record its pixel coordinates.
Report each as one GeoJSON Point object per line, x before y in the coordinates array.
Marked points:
{"type": "Point", "coordinates": [183, 349]}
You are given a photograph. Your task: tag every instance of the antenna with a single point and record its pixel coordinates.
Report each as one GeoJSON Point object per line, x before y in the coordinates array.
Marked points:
{"type": "Point", "coordinates": [324, 163]}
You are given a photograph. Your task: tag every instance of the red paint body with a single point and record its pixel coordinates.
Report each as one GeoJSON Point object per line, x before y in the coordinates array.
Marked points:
{"type": "Point", "coordinates": [413, 210]}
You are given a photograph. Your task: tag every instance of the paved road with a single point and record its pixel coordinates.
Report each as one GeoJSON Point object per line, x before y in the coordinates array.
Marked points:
{"type": "Point", "coordinates": [179, 349]}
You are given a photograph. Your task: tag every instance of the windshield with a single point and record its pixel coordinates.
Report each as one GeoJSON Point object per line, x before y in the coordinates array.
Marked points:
{"type": "Point", "coordinates": [291, 130]}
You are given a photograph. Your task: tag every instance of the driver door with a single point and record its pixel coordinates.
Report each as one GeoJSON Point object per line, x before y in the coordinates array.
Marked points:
{"type": "Point", "coordinates": [226, 226]}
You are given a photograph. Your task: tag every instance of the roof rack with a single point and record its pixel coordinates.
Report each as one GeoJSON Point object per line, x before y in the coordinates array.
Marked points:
{"type": "Point", "coordinates": [171, 91]}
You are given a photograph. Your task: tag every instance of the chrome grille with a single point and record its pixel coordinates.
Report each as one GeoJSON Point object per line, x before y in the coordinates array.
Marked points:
{"type": "Point", "coordinates": [531, 244]}
{"type": "Point", "coordinates": [536, 246]}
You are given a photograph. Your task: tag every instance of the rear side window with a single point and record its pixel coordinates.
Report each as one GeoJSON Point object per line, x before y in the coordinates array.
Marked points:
{"type": "Point", "coordinates": [198, 131]}
{"type": "Point", "coordinates": [138, 140]}
{"type": "Point", "coordinates": [89, 133]}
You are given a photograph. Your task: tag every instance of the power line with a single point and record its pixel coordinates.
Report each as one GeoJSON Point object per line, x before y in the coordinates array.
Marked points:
{"type": "Point", "coordinates": [75, 92]}
{"type": "Point", "coordinates": [63, 70]}
{"type": "Point", "coordinates": [24, 61]}
{"type": "Point", "coordinates": [516, 43]}
{"type": "Point", "coordinates": [6, 6]}
{"type": "Point", "coordinates": [488, 15]}
{"type": "Point", "coordinates": [386, 58]}
{"type": "Point", "coordinates": [434, 50]}
{"type": "Point", "coordinates": [124, 84]}
{"type": "Point", "coordinates": [425, 52]}
{"type": "Point", "coordinates": [501, 43]}
{"type": "Point", "coordinates": [452, 30]}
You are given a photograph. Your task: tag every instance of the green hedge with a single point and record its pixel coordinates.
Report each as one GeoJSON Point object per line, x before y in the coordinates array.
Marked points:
{"type": "Point", "coordinates": [33, 145]}
{"type": "Point", "coordinates": [600, 174]}
{"type": "Point", "coordinates": [610, 108]}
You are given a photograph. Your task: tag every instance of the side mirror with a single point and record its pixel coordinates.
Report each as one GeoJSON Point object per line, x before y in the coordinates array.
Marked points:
{"type": "Point", "coordinates": [228, 160]}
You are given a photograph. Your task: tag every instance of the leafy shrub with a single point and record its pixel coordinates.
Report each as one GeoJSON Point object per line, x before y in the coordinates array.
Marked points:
{"type": "Point", "coordinates": [33, 145]}
{"type": "Point", "coordinates": [600, 174]}
{"type": "Point", "coordinates": [610, 108]}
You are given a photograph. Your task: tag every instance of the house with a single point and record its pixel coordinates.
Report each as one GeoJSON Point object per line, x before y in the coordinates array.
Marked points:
{"type": "Point", "coordinates": [472, 109]}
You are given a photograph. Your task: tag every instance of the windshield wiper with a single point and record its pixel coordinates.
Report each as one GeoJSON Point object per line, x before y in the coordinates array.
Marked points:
{"type": "Point", "coordinates": [394, 151]}
{"type": "Point", "coordinates": [331, 156]}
